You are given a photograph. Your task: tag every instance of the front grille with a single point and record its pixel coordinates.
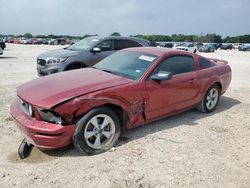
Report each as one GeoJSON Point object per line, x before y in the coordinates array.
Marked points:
{"type": "Point", "coordinates": [41, 62]}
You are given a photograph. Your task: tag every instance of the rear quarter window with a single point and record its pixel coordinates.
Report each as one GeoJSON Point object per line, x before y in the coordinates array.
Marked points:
{"type": "Point", "coordinates": [204, 63]}
{"type": "Point", "coordinates": [176, 65]}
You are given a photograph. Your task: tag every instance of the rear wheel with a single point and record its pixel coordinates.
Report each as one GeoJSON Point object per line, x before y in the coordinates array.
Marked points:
{"type": "Point", "coordinates": [97, 131]}
{"type": "Point", "coordinates": [210, 100]}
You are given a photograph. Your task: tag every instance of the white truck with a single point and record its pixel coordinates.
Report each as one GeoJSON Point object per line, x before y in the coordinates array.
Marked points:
{"type": "Point", "coordinates": [189, 47]}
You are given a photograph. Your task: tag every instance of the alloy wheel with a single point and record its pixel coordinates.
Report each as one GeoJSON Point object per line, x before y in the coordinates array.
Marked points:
{"type": "Point", "coordinates": [99, 131]}
{"type": "Point", "coordinates": [212, 98]}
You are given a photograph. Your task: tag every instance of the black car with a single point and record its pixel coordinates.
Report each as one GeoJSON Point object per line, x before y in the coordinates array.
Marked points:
{"type": "Point", "coordinates": [226, 47]}
{"type": "Point", "coordinates": [2, 45]}
{"type": "Point", "coordinates": [169, 45]}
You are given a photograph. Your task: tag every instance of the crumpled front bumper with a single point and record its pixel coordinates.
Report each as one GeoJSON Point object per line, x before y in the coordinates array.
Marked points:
{"type": "Point", "coordinates": [39, 133]}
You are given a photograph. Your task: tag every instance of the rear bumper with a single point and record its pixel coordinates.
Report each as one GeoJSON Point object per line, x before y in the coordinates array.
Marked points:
{"type": "Point", "coordinates": [39, 133]}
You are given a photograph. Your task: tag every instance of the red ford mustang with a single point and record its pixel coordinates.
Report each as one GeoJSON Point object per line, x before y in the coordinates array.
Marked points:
{"type": "Point", "coordinates": [127, 89]}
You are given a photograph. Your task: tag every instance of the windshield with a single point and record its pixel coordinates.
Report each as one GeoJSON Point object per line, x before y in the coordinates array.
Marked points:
{"type": "Point", "coordinates": [131, 65]}
{"type": "Point", "coordinates": [84, 44]}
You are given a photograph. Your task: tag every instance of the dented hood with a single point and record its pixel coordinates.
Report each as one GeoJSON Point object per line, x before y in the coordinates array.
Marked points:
{"type": "Point", "coordinates": [51, 90]}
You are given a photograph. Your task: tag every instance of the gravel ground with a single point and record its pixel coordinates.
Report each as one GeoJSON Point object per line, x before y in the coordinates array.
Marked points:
{"type": "Point", "coordinates": [187, 150]}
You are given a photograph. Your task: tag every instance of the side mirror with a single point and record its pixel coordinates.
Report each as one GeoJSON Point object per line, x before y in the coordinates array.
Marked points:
{"type": "Point", "coordinates": [162, 75]}
{"type": "Point", "coordinates": [96, 50]}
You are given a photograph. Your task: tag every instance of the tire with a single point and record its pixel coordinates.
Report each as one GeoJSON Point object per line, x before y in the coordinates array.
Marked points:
{"type": "Point", "coordinates": [89, 136]}
{"type": "Point", "coordinates": [210, 100]}
{"type": "Point", "coordinates": [73, 67]}
{"type": "Point", "coordinates": [195, 51]}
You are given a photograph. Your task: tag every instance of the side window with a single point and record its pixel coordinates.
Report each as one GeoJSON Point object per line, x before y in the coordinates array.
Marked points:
{"type": "Point", "coordinates": [176, 65]}
{"type": "Point", "coordinates": [105, 45]}
{"type": "Point", "coordinates": [121, 44]}
{"type": "Point", "coordinates": [204, 63]}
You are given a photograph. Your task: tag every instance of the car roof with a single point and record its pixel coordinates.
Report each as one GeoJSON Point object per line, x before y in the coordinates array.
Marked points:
{"type": "Point", "coordinates": [157, 51]}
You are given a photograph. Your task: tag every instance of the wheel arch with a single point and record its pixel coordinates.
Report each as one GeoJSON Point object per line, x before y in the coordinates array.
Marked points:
{"type": "Point", "coordinates": [205, 88]}
{"type": "Point", "coordinates": [120, 112]}
{"type": "Point", "coordinates": [75, 63]}
{"type": "Point", "coordinates": [120, 108]}
{"type": "Point", "coordinates": [219, 84]}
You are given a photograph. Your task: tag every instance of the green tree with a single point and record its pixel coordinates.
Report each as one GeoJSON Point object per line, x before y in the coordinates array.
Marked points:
{"type": "Point", "coordinates": [115, 34]}
{"type": "Point", "coordinates": [28, 35]}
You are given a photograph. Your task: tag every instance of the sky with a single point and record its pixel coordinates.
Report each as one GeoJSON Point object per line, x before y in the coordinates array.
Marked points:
{"type": "Point", "coordinates": [128, 17]}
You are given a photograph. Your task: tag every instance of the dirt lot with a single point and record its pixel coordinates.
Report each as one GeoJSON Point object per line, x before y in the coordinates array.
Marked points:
{"type": "Point", "coordinates": [187, 150]}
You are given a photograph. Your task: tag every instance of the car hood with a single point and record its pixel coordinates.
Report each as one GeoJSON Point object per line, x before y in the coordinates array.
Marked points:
{"type": "Point", "coordinates": [51, 90]}
{"type": "Point", "coordinates": [58, 53]}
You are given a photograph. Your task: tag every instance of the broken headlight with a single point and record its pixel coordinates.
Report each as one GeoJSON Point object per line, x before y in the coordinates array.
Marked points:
{"type": "Point", "coordinates": [28, 109]}
{"type": "Point", "coordinates": [50, 116]}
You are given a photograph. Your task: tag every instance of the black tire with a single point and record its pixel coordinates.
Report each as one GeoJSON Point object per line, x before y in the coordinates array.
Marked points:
{"type": "Point", "coordinates": [73, 67]}
{"type": "Point", "coordinates": [195, 51]}
{"type": "Point", "coordinates": [203, 105]}
{"type": "Point", "coordinates": [84, 144]}
{"type": "Point", "coordinates": [2, 45]}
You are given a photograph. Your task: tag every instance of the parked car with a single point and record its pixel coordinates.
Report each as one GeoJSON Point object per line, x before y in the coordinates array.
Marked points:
{"type": "Point", "coordinates": [189, 47]}
{"type": "Point", "coordinates": [23, 40]}
{"type": "Point", "coordinates": [226, 47]}
{"type": "Point", "coordinates": [130, 88]}
{"type": "Point", "coordinates": [199, 44]}
{"type": "Point", "coordinates": [169, 45]}
{"type": "Point", "coordinates": [244, 47]}
{"type": "Point", "coordinates": [2, 46]}
{"type": "Point", "coordinates": [84, 53]}
{"type": "Point", "coordinates": [207, 48]}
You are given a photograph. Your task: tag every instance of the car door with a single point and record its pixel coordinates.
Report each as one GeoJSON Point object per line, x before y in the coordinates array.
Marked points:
{"type": "Point", "coordinates": [172, 95]}
{"type": "Point", "coordinates": [106, 47]}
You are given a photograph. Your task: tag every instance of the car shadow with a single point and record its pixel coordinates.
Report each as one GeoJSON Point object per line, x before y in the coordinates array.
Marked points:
{"type": "Point", "coordinates": [7, 57]}
{"type": "Point", "coordinates": [186, 118]}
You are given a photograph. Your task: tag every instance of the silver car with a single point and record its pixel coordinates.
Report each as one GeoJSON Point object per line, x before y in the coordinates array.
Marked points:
{"type": "Point", "coordinates": [85, 53]}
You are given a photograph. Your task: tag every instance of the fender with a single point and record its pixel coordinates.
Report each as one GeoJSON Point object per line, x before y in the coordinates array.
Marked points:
{"type": "Point", "coordinates": [212, 80]}
{"type": "Point", "coordinates": [135, 111]}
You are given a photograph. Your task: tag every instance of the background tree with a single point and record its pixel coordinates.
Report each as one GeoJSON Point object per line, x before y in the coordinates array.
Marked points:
{"type": "Point", "coordinates": [115, 34]}
{"type": "Point", "coordinates": [28, 35]}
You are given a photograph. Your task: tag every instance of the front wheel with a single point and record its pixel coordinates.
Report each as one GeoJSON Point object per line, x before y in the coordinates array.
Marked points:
{"type": "Point", "coordinates": [97, 131]}
{"type": "Point", "coordinates": [210, 100]}
{"type": "Point", "coordinates": [73, 67]}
